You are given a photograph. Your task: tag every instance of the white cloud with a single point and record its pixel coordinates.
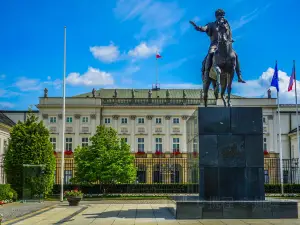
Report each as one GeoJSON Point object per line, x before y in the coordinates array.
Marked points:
{"type": "Point", "coordinates": [93, 77]}
{"type": "Point", "coordinates": [57, 83]}
{"type": "Point", "coordinates": [245, 19]}
{"type": "Point", "coordinates": [26, 84]}
{"type": "Point", "coordinates": [156, 17]}
{"type": "Point", "coordinates": [106, 54]}
{"type": "Point", "coordinates": [4, 93]}
{"type": "Point", "coordinates": [6, 105]}
{"type": "Point", "coordinates": [259, 87]}
{"type": "Point", "coordinates": [143, 50]}
{"type": "Point", "coordinates": [174, 65]}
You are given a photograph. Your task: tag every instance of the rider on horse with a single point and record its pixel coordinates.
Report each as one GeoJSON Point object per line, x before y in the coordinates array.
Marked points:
{"type": "Point", "coordinates": [212, 32]}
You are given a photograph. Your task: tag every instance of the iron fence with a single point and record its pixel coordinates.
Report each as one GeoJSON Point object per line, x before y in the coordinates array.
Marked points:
{"type": "Point", "coordinates": [179, 171]}
{"type": "Point", "coordinates": [290, 168]}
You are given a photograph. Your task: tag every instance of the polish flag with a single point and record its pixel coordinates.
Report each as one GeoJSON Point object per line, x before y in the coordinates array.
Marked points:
{"type": "Point", "coordinates": [158, 55]}
{"type": "Point", "coordinates": [292, 79]}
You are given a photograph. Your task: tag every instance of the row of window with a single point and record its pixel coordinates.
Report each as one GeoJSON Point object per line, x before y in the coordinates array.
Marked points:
{"type": "Point", "coordinates": [85, 119]}
{"type": "Point", "coordinates": [69, 119]}
{"type": "Point", "coordinates": [141, 120]}
{"type": "Point", "coordinates": [69, 143]}
{"type": "Point", "coordinates": [140, 142]}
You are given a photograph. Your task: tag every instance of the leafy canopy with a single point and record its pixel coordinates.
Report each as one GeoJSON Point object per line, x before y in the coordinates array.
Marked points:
{"type": "Point", "coordinates": [29, 143]}
{"type": "Point", "coordinates": [107, 160]}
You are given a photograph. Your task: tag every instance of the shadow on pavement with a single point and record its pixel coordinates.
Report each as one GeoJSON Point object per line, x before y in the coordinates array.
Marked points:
{"type": "Point", "coordinates": [162, 212]}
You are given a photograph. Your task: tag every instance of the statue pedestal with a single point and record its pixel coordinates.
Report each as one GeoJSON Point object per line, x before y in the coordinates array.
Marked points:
{"type": "Point", "coordinates": [231, 158]}
{"type": "Point", "coordinates": [231, 164]}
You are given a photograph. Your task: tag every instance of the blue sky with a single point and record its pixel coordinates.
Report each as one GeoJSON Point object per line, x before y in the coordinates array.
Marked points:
{"type": "Point", "coordinates": [112, 44]}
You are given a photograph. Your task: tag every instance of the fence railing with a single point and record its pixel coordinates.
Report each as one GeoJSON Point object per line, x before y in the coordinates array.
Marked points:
{"type": "Point", "coordinates": [179, 171]}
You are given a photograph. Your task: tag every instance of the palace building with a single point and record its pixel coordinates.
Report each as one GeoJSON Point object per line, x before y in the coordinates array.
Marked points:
{"type": "Point", "coordinates": [153, 123]}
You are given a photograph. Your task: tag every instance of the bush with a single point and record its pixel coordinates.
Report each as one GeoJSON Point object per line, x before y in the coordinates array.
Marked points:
{"type": "Point", "coordinates": [7, 193]}
{"type": "Point", "coordinates": [30, 144]}
{"type": "Point", "coordinates": [276, 188]}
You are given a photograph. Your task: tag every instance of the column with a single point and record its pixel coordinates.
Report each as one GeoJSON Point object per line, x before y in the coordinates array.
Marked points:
{"type": "Point", "coordinates": [168, 137]}
{"type": "Point", "coordinates": [275, 132]}
{"type": "Point", "coordinates": [98, 118]}
{"type": "Point", "coordinates": [149, 130]}
{"type": "Point", "coordinates": [183, 142]}
{"type": "Point", "coordinates": [93, 124]}
{"type": "Point", "coordinates": [271, 134]}
{"type": "Point", "coordinates": [77, 131]}
{"type": "Point", "coordinates": [115, 122]}
{"type": "Point", "coordinates": [60, 131]}
{"type": "Point", "coordinates": [132, 133]}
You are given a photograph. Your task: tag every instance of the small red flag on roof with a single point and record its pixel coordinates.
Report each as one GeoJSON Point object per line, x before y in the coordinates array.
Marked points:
{"type": "Point", "coordinates": [158, 55]}
{"type": "Point", "coordinates": [292, 79]}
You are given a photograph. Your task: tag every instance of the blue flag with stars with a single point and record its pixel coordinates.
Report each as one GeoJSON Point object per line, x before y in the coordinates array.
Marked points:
{"type": "Point", "coordinates": [274, 82]}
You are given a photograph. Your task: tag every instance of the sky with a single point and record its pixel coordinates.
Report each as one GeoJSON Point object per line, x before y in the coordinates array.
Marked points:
{"type": "Point", "coordinates": [112, 44]}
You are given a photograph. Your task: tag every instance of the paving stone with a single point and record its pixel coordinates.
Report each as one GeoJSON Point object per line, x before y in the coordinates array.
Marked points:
{"type": "Point", "coordinates": [211, 222]}
{"type": "Point", "coordinates": [123, 214]}
{"type": "Point", "coordinates": [233, 222]}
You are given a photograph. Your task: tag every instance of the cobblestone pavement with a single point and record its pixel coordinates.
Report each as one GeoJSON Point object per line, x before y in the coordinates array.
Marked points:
{"type": "Point", "coordinates": [126, 214]}
{"type": "Point", "coordinates": [15, 210]}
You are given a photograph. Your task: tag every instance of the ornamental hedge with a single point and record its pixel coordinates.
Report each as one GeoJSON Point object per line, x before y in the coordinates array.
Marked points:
{"type": "Point", "coordinates": [97, 189]}
{"type": "Point", "coordinates": [130, 188]}
{"type": "Point", "coordinates": [30, 144]}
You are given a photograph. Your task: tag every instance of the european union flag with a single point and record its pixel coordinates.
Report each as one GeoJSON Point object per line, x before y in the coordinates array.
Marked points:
{"type": "Point", "coordinates": [274, 82]}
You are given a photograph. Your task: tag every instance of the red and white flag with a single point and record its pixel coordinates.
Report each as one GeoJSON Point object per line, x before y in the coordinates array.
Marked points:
{"type": "Point", "coordinates": [292, 79]}
{"type": "Point", "coordinates": [158, 55]}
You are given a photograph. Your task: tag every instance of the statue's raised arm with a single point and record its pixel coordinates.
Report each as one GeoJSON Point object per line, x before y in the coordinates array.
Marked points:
{"type": "Point", "coordinates": [199, 28]}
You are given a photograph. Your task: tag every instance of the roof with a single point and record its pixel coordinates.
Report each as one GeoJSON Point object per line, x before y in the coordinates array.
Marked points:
{"type": "Point", "coordinates": [143, 93]}
{"type": "Point", "coordinates": [5, 120]}
{"type": "Point", "coordinates": [18, 111]}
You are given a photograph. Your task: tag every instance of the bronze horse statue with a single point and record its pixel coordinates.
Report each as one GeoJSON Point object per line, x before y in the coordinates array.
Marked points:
{"type": "Point", "coordinates": [223, 65]}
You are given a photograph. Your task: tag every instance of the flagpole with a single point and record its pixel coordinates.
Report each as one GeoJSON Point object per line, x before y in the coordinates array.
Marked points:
{"type": "Point", "coordinates": [156, 71]}
{"type": "Point", "coordinates": [63, 121]}
{"type": "Point", "coordinates": [280, 146]}
{"type": "Point", "coordinates": [296, 98]}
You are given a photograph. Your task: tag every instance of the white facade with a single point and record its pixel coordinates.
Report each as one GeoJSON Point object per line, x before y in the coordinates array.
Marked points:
{"type": "Point", "coordinates": [5, 126]}
{"type": "Point", "coordinates": [4, 136]}
{"type": "Point", "coordinates": [149, 128]}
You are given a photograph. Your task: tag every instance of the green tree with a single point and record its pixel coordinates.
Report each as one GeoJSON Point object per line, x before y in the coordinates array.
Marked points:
{"type": "Point", "coordinates": [29, 143]}
{"type": "Point", "coordinates": [107, 160]}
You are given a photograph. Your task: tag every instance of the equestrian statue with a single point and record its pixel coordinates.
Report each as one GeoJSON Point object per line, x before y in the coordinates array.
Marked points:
{"type": "Point", "coordinates": [221, 61]}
